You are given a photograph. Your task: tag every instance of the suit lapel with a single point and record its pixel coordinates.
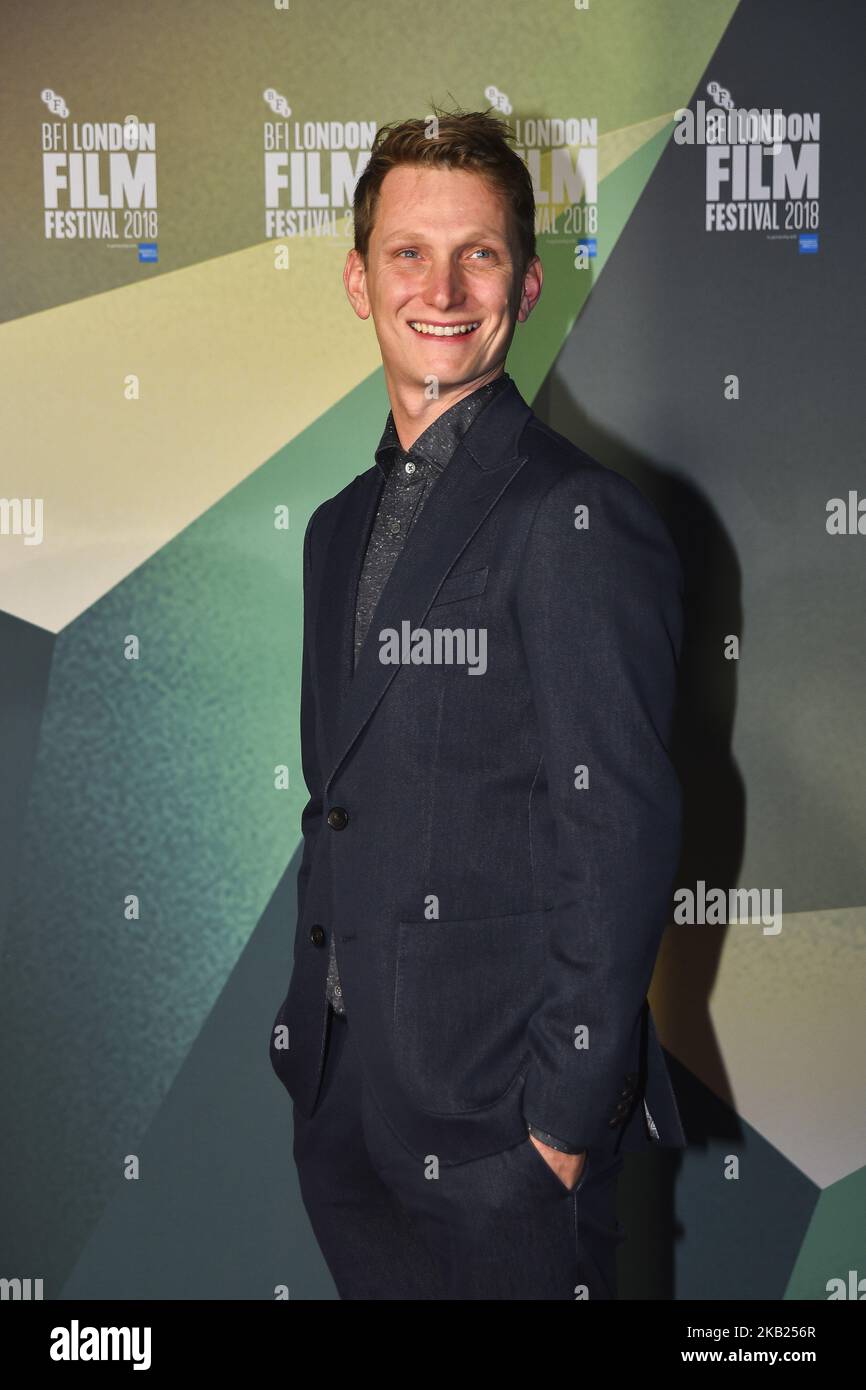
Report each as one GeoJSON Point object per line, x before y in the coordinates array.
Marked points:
{"type": "Point", "coordinates": [338, 587]}
{"type": "Point", "coordinates": [482, 467]}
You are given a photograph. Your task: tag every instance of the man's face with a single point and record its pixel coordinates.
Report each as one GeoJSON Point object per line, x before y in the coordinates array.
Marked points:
{"type": "Point", "coordinates": [441, 253]}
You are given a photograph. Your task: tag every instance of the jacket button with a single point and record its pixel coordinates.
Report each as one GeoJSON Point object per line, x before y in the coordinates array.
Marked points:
{"type": "Point", "coordinates": [317, 935]}
{"type": "Point", "coordinates": [338, 818]}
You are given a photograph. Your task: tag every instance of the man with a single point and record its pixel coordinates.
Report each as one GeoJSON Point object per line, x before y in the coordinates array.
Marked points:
{"type": "Point", "coordinates": [492, 625]}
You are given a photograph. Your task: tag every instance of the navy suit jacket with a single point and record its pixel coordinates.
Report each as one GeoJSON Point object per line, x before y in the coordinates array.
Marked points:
{"type": "Point", "coordinates": [494, 852]}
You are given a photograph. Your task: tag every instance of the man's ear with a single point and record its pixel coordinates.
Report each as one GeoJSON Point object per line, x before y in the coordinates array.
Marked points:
{"type": "Point", "coordinates": [355, 282]}
{"type": "Point", "coordinates": [530, 290]}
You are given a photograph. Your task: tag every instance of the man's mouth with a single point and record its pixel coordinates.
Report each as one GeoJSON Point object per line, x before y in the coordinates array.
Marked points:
{"type": "Point", "coordinates": [444, 330]}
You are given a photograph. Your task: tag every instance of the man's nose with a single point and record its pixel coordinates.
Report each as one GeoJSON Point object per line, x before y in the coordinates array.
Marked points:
{"type": "Point", "coordinates": [444, 284]}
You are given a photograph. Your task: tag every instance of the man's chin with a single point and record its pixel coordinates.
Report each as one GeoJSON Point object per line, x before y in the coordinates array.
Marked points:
{"type": "Point", "coordinates": [439, 369]}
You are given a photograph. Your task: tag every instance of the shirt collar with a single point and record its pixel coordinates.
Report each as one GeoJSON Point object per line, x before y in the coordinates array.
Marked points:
{"type": "Point", "coordinates": [437, 443]}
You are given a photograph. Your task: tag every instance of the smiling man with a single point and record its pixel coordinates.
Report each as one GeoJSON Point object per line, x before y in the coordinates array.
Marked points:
{"type": "Point", "coordinates": [487, 862]}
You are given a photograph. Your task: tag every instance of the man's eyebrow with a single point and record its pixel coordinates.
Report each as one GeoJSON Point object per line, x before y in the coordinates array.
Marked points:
{"type": "Point", "coordinates": [477, 235]}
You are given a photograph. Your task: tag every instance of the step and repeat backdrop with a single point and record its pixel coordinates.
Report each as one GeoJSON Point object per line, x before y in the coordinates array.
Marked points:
{"type": "Point", "coordinates": [184, 381]}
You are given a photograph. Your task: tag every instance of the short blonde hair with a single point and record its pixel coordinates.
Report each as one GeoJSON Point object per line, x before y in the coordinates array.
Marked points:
{"type": "Point", "coordinates": [473, 140]}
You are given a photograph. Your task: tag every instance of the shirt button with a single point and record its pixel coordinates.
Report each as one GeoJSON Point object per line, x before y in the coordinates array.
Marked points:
{"type": "Point", "coordinates": [394, 527]}
{"type": "Point", "coordinates": [410, 467]}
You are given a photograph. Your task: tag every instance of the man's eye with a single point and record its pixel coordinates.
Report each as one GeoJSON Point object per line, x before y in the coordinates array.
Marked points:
{"type": "Point", "coordinates": [485, 250]}
{"type": "Point", "coordinates": [408, 251]}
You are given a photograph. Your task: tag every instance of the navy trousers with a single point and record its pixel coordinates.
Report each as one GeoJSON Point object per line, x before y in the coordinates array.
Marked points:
{"type": "Point", "coordinates": [392, 1225]}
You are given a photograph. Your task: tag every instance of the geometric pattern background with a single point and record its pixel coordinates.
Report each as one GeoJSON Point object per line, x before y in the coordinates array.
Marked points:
{"type": "Point", "coordinates": [261, 391]}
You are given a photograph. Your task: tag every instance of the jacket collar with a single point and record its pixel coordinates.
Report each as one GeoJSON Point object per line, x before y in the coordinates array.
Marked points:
{"type": "Point", "coordinates": [436, 444]}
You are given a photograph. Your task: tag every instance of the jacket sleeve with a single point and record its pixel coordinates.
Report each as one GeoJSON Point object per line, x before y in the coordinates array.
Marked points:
{"type": "Point", "coordinates": [311, 816]}
{"type": "Point", "coordinates": [600, 613]}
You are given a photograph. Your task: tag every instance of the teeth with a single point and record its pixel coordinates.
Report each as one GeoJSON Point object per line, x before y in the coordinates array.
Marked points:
{"type": "Point", "coordinates": [439, 332]}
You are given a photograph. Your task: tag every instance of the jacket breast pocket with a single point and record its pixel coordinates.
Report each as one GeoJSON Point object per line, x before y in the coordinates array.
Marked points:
{"type": "Point", "coordinates": [463, 994]}
{"type": "Point", "coordinates": [466, 584]}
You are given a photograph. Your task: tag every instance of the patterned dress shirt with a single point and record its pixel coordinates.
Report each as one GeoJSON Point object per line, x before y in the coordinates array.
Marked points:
{"type": "Point", "coordinates": [409, 476]}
